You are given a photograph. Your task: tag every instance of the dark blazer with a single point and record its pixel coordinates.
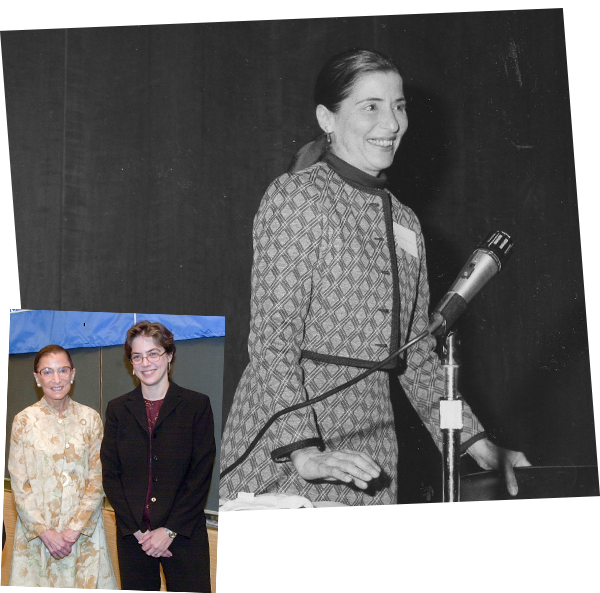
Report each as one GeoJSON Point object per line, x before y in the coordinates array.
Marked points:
{"type": "Point", "coordinates": [183, 453]}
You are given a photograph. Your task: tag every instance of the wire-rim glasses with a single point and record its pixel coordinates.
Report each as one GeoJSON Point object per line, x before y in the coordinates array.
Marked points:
{"type": "Point", "coordinates": [63, 372]}
{"type": "Point", "coordinates": [152, 357]}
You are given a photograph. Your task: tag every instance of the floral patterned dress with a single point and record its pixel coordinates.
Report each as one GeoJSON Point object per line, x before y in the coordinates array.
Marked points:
{"type": "Point", "coordinates": [56, 478]}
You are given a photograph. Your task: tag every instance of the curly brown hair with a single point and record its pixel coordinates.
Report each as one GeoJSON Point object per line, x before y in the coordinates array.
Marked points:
{"type": "Point", "coordinates": [151, 329]}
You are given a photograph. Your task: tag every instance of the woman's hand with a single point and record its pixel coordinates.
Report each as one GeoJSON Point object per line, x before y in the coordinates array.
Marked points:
{"type": "Point", "coordinates": [156, 543]}
{"type": "Point", "coordinates": [489, 456]}
{"type": "Point", "coordinates": [344, 466]}
{"type": "Point", "coordinates": [56, 544]}
{"type": "Point", "coordinates": [71, 536]}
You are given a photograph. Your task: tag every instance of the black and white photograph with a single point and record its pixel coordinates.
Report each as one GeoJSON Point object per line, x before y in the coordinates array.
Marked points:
{"type": "Point", "coordinates": [387, 212]}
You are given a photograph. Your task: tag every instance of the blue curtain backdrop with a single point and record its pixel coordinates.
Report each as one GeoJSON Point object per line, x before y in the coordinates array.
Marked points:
{"type": "Point", "coordinates": [32, 330]}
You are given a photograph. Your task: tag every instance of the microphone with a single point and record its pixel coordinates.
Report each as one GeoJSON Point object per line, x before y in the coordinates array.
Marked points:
{"type": "Point", "coordinates": [485, 262]}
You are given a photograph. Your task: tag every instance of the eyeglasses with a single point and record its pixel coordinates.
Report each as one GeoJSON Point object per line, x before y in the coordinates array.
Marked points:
{"type": "Point", "coordinates": [152, 357]}
{"type": "Point", "coordinates": [63, 372]}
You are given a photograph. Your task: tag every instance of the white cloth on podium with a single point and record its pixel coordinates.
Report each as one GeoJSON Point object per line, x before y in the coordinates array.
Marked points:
{"type": "Point", "coordinates": [249, 501]}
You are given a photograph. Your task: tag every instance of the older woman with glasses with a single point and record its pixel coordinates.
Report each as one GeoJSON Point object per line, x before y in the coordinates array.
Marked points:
{"type": "Point", "coordinates": [157, 459]}
{"type": "Point", "coordinates": [56, 479]}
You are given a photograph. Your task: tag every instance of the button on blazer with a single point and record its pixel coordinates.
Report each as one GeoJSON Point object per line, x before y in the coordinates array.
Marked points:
{"type": "Point", "coordinates": [183, 453]}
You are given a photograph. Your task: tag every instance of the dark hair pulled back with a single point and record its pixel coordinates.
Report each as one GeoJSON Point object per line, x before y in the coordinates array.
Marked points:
{"type": "Point", "coordinates": [50, 349]}
{"type": "Point", "coordinates": [334, 83]}
{"type": "Point", "coordinates": [338, 75]}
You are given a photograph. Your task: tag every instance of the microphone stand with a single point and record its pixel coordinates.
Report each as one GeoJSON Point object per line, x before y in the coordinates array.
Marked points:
{"type": "Point", "coordinates": [485, 262]}
{"type": "Point", "coordinates": [451, 417]}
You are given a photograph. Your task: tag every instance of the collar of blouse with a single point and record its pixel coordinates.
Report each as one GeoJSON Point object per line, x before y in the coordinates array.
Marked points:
{"type": "Point", "coordinates": [352, 174]}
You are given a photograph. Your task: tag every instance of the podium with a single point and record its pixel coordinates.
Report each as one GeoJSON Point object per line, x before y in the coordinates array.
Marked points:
{"type": "Point", "coordinates": [534, 482]}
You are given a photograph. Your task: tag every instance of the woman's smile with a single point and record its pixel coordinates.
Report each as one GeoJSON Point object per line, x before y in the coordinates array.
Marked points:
{"type": "Point", "coordinates": [152, 374]}
{"type": "Point", "coordinates": [370, 122]}
{"type": "Point", "coordinates": [55, 386]}
{"type": "Point", "coordinates": [381, 143]}
{"type": "Point", "coordinates": [57, 391]}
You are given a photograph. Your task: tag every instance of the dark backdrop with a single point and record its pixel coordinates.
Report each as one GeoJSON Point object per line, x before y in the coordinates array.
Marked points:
{"type": "Point", "coordinates": [139, 156]}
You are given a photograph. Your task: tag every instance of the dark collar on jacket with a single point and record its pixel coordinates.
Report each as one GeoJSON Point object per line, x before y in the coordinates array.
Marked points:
{"type": "Point", "coordinates": [135, 404]}
{"type": "Point", "coordinates": [353, 175]}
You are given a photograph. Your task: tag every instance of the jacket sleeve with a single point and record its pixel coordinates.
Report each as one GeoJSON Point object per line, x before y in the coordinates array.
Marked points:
{"type": "Point", "coordinates": [111, 473]}
{"type": "Point", "coordinates": [32, 518]}
{"type": "Point", "coordinates": [191, 497]}
{"type": "Point", "coordinates": [90, 506]}
{"type": "Point", "coordinates": [287, 233]}
{"type": "Point", "coordinates": [423, 379]}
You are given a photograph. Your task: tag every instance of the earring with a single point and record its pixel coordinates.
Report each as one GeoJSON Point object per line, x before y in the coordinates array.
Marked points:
{"type": "Point", "coordinates": [328, 137]}
{"type": "Point", "coordinates": [133, 372]}
{"type": "Point", "coordinates": [169, 367]}
{"type": "Point", "coordinates": [38, 384]}
{"type": "Point", "coordinates": [71, 382]}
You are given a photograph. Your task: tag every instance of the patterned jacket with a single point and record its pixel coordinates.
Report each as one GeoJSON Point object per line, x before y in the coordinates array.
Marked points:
{"type": "Point", "coordinates": [55, 470]}
{"type": "Point", "coordinates": [339, 276]}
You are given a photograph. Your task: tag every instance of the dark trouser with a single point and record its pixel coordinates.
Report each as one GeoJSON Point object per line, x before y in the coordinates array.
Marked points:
{"type": "Point", "coordinates": [187, 570]}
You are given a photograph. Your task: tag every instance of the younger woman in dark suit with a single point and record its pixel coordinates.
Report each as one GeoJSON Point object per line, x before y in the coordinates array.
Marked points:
{"type": "Point", "coordinates": [157, 458]}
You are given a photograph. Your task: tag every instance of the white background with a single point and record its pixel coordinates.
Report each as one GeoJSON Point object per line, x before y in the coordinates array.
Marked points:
{"type": "Point", "coordinates": [383, 555]}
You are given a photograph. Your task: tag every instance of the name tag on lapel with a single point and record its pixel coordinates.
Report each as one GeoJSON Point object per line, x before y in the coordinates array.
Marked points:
{"type": "Point", "coordinates": [406, 239]}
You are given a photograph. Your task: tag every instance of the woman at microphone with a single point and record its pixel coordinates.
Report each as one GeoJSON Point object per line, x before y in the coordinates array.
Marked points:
{"type": "Point", "coordinates": [339, 282]}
